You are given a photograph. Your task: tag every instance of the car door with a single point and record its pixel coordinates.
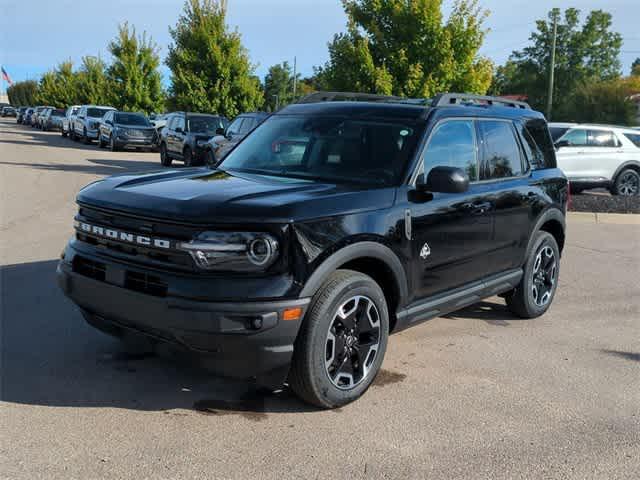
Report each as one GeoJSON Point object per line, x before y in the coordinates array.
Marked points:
{"type": "Point", "coordinates": [512, 193]}
{"type": "Point", "coordinates": [178, 135]}
{"type": "Point", "coordinates": [606, 153]}
{"type": "Point", "coordinates": [450, 233]}
{"type": "Point", "coordinates": [573, 154]}
{"type": "Point", "coordinates": [78, 123]}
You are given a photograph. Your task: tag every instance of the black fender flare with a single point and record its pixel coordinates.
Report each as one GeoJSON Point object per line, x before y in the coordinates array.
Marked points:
{"type": "Point", "coordinates": [549, 214]}
{"type": "Point", "coordinates": [634, 164]}
{"type": "Point", "coordinates": [366, 249]}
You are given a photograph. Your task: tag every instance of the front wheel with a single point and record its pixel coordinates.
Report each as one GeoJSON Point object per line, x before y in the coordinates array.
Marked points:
{"type": "Point", "coordinates": [100, 142]}
{"type": "Point", "coordinates": [188, 157]}
{"type": "Point", "coordinates": [627, 183]}
{"type": "Point", "coordinates": [534, 294]}
{"type": "Point", "coordinates": [342, 343]}
{"type": "Point", "coordinates": [112, 144]}
{"type": "Point", "coordinates": [165, 159]}
{"type": "Point", "coordinates": [85, 137]}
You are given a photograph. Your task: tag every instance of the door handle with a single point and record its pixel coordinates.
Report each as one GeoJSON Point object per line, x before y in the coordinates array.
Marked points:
{"type": "Point", "coordinates": [477, 208]}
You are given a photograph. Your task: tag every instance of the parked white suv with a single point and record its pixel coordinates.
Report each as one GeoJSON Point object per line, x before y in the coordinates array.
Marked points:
{"type": "Point", "coordinates": [86, 123]}
{"type": "Point", "coordinates": [68, 119]}
{"type": "Point", "coordinates": [594, 156]}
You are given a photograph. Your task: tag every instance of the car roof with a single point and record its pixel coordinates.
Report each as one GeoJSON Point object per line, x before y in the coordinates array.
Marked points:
{"type": "Point", "coordinates": [598, 126]}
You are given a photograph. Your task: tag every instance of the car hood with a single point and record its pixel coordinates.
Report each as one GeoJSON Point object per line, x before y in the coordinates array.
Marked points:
{"type": "Point", "coordinates": [205, 196]}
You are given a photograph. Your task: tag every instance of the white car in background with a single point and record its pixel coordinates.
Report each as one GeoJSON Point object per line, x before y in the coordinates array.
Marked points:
{"type": "Point", "coordinates": [68, 119]}
{"type": "Point", "coordinates": [593, 156]}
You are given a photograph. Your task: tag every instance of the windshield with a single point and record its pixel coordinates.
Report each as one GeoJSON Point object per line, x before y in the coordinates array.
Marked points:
{"type": "Point", "coordinates": [204, 124]}
{"type": "Point", "coordinates": [132, 119]}
{"type": "Point", "coordinates": [342, 150]}
{"type": "Point", "coordinates": [58, 112]}
{"type": "Point", "coordinates": [97, 112]}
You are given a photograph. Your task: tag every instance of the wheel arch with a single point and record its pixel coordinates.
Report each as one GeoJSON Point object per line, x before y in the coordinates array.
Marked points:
{"type": "Point", "coordinates": [370, 258]}
{"type": "Point", "coordinates": [632, 164]}
{"type": "Point", "coordinates": [552, 221]}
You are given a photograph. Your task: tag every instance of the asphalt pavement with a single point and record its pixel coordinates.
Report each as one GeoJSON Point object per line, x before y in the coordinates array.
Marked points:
{"type": "Point", "coordinates": [476, 394]}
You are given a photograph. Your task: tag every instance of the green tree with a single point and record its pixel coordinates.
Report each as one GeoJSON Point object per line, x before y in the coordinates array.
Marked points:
{"type": "Point", "coordinates": [93, 86]}
{"type": "Point", "coordinates": [210, 69]}
{"type": "Point", "coordinates": [587, 53]}
{"type": "Point", "coordinates": [58, 87]}
{"type": "Point", "coordinates": [23, 94]}
{"type": "Point", "coordinates": [604, 102]}
{"type": "Point", "coordinates": [133, 74]}
{"type": "Point", "coordinates": [635, 67]}
{"type": "Point", "coordinates": [408, 49]}
{"type": "Point", "coordinates": [278, 86]}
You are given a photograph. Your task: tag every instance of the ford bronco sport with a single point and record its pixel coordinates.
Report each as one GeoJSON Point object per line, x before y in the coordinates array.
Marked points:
{"type": "Point", "coordinates": [330, 226]}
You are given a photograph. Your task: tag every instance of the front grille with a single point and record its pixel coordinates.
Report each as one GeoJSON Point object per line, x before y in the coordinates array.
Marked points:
{"type": "Point", "coordinates": [89, 268]}
{"type": "Point", "coordinates": [148, 256]}
{"type": "Point", "coordinates": [133, 132]}
{"type": "Point", "coordinates": [145, 283]}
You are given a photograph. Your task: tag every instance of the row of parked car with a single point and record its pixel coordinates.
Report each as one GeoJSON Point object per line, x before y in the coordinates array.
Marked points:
{"type": "Point", "coordinates": [193, 138]}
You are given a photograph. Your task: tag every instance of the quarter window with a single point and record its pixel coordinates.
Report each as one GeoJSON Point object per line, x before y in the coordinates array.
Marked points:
{"type": "Point", "coordinates": [501, 155]}
{"type": "Point", "coordinates": [452, 145]}
{"type": "Point", "coordinates": [634, 138]}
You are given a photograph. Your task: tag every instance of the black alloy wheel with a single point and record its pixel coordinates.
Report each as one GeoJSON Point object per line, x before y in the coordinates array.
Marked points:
{"type": "Point", "coordinates": [543, 276]}
{"type": "Point", "coordinates": [353, 340]}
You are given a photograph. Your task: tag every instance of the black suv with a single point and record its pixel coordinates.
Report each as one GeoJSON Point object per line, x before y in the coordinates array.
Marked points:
{"type": "Point", "coordinates": [185, 137]}
{"type": "Point", "coordinates": [331, 225]}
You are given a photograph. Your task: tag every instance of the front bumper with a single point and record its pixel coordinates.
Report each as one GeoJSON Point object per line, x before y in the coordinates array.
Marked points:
{"type": "Point", "coordinates": [224, 333]}
{"type": "Point", "coordinates": [135, 142]}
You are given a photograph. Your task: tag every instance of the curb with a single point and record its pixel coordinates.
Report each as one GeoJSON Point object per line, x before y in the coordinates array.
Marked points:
{"type": "Point", "coordinates": [605, 218]}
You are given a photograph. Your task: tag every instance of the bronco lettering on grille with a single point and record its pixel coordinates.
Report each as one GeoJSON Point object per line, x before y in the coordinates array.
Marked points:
{"type": "Point", "coordinates": [121, 236]}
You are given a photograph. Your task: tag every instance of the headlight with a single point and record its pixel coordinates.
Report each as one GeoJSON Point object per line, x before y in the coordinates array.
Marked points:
{"type": "Point", "coordinates": [232, 251]}
{"type": "Point", "coordinates": [201, 143]}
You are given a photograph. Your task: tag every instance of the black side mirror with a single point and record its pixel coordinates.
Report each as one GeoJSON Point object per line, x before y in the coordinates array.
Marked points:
{"type": "Point", "coordinates": [220, 131]}
{"type": "Point", "coordinates": [562, 143]}
{"type": "Point", "coordinates": [108, 122]}
{"type": "Point", "coordinates": [179, 130]}
{"type": "Point", "coordinates": [444, 180]}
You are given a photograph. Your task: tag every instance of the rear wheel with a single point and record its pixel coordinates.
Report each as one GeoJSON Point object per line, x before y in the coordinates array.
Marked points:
{"type": "Point", "coordinates": [342, 343]}
{"type": "Point", "coordinates": [627, 183]}
{"type": "Point", "coordinates": [165, 159]}
{"type": "Point", "coordinates": [534, 294]}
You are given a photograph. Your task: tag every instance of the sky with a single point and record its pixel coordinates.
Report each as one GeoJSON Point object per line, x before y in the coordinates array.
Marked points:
{"type": "Point", "coordinates": [35, 35]}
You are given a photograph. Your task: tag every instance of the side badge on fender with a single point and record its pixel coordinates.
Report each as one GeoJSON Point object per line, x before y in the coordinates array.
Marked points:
{"type": "Point", "coordinates": [425, 252]}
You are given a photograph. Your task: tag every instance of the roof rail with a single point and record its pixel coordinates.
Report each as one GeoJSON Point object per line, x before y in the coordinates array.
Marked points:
{"type": "Point", "coordinates": [444, 99]}
{"type": "Point", "coordinates": [346, 97]}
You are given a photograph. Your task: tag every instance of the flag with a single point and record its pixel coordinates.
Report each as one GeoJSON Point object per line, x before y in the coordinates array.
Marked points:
{"type": "Point", "coordinates": [6, 76]}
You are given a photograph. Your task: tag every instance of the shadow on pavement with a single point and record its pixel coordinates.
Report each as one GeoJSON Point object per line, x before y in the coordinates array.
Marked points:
{"type": "Point", "coordinates": [490, 312]}
{"type": "Point", "coordinates": [95, 166]}
{"type": "Point", "coordinates": [51, 357]}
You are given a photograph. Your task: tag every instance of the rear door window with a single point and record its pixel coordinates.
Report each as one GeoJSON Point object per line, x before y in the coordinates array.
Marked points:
{"type": "Point", "coordinates": [500, 154]}
{"type": "Point", "coordinates": [601, 138]}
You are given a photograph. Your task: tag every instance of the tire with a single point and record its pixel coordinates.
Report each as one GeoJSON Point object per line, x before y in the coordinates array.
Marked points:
{"type": "Point", "coordinates": [320, 380]}
{"type": "Point", "coordinates": [112, 144]}
{"type": "Point", "coordinates": [535, 292]}
{"type": "Point", "coordinates": [85, 138]}
{"type": "Point", "coordinates": [63, 133]}
{"type": "Point", "coordinates": [72, 134]}
{"type": "Point", "coordinates": [187, 156]}
{"type": "Point", "coordinates": [627, 183]}
{"type": "Point", "coordinates": [100, 142]}
{"type": "Point", "coordinates": [165, 159]}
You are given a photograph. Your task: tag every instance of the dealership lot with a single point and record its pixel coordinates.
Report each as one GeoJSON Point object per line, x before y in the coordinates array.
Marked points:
{"type": "Point", "coordinates": [476, 394]}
